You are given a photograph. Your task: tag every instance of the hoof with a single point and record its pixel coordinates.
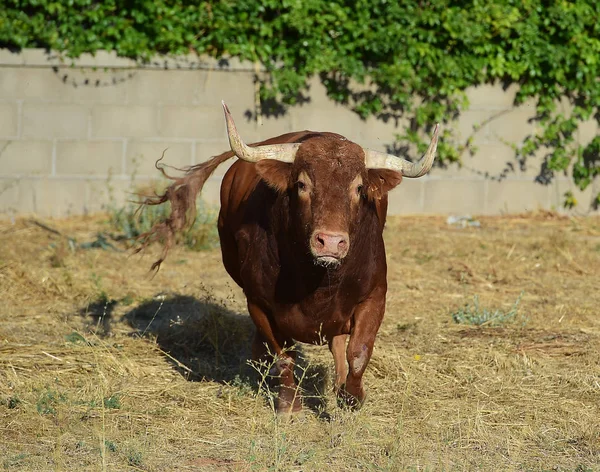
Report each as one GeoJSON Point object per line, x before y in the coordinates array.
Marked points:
{"type": "Point", "coordinates": [347, 400]}
{"type": "Point", "coordinates": [284, 408]}
{"type": "Point", "coordinates": [288, 401]}
{"type": "Point", "coordinates": [279, 367]}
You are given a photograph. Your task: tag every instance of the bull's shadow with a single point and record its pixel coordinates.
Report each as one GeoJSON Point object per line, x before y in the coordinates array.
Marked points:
{"type": "Point", "coordinates": [203, 339]}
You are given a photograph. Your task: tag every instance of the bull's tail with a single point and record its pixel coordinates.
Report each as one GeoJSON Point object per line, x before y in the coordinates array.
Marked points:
{"type": "Point", "coordinates": [181, 194]}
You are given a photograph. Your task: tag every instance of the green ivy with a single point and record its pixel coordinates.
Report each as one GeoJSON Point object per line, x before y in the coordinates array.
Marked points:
{"type": "Point", "coordinates": [391, 59]}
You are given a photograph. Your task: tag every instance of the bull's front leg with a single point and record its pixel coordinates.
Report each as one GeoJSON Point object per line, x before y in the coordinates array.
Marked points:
{"type": "Point", "coordinates": [337, 346]}
{"type": "Point", "coordinates": [288, 400]}
{"type": "Point", "coordinates": [367, 319]}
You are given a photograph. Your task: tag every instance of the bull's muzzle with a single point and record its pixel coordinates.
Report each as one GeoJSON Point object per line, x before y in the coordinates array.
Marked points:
{"type": "Point", "coordinates": [329, 248]}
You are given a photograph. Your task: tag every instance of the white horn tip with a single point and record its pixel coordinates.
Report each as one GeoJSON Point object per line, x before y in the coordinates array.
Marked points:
{"type": "Point", "coordinates": [225, 107]}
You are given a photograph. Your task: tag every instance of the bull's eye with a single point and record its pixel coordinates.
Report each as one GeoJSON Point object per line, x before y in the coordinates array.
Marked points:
{"type": "Point", "coordinates": [359, 189]}
{"type": "Point", "coordinates": [301, 186]}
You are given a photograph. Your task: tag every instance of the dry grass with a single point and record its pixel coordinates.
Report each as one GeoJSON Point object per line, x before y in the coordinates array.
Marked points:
{"type": "Point", "coordinates": [105, 368]}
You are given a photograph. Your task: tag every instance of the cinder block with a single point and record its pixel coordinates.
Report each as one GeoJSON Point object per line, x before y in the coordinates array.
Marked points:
{"type": "Point", "coordinates": [376, 145]}
{"type": "Point", "coordinates": [52, 197]}
{"type": "Point", "coordinates": [208, 149]}
{"type": "Point", "coordinates": [211, 193]}
{"type": "Point", "coordinates": [103, 86]}
{"type": "Point", "coordinates": [328, 117]}
{"type": "Point", "coordinates": [142, 155]}
{"type": "Point", "coordinates": [237, 89]}
{"type": "Point", "coordinates": [379, 131]}
{"type": "Point", "coordinates": [496, 160]}
{"type": "Point", "coordinates": [530, 166]}
{"type": "Point", "coordinates": [512, 127]}
{"type": "Point", "coordinates": [103, 59]}
{"type": "Point", "coordinates": [474, 123]}
{"type": "Point", "coordinates": [191, 122]}
{"type": "Point", "coordinates": [452, 196]}
{"type": "Point", "coordinates": [9, 58]}
{"type": "Point", "coordinates": [406, 198]}
{"type": "Point", "coordinates": [268, 128]}
{"type": "Point", "coordinates": [54, 121]}
{"type": "Point", "coordinates": [317, 93]}
{"type": "Point", "coordinates": [516, 196]}
{"type": "Point", "coordinates": [89, 157]}
{"type": "Point", "coordinates": [28, 196]}
{"type": "Point", "coordinates": [564, 105]}
{"type": "Point", "coordinates": [36, 57]}
{"type": "Point", "coordinates": [103, 195]}
{"type": "Point", "coordinates": [26, 157]}
{"type": "Point", "coordinates": [491, 161]}
{"type": "Point", "coordinates": [112, 121]}
{"type": "Point", "coordinates": [9, 196]}
{"type": "Point", "coordinates": [491, 96]}
{"type": "Point", "coordinates": [114, 193]}
{"type": "Point", "coordinates": [149, 87]}
{"type": "Point", "coordinates": [9, 119]}
{"type": "Point", "coordinates": [193, 61]}
{"type": "Point", "coordinates": [64, 85]}
{"type": "Point", "coordinates": [587, 131]}
{"type": "Point", "coordinates": [560, 185]}
{"type": "Point", "coordinates": [32, 84]}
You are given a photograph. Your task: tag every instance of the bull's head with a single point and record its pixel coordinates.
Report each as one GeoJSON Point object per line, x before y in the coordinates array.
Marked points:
{"type": "Point", "coordinates": [331, 183]}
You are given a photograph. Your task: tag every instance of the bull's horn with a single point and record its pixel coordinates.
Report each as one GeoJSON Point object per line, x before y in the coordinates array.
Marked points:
{"type": "Point", "coordinates": [381, 160]}
{"type": "Point", "coordinates": [279, 152]}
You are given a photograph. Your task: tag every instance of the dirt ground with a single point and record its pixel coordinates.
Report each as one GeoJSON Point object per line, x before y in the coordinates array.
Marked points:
{"type": "Point", "coordinates": [103, 367]}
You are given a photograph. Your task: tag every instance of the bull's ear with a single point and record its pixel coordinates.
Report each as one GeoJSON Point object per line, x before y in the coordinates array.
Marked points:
{"type": "Point", "coordinates": [275, 173]}
{"type": "Point", "coordinates": [381, 181]}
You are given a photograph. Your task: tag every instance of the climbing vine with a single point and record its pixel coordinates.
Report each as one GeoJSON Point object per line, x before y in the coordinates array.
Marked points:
{"type": "Point", "coordinates": [412, 59]}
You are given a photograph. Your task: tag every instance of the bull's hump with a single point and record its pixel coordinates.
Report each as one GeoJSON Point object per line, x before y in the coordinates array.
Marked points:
{"type": "Point", "coordinates": [307, 135]}
{"type": "Point", "coordinates": [330, 147]}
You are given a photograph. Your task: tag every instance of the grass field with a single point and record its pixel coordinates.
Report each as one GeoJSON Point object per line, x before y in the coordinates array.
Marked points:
{"type": "Point", "coordinates": [103, 367]}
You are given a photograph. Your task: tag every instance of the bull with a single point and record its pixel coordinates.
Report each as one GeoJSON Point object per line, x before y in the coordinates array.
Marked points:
{"type": "Point", "coordinates": [300, 226]}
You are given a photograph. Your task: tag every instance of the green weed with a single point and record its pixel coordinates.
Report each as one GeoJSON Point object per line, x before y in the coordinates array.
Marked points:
{"type": "Point", "coordinates": [46, 404]}
{"type": "Point", "coordinates": [15, 461]}
{"type": "Point", "coordinates": [75, 338]}
{"type": "Point", "coordinates": [13, 402]}
{"type": "Point", "coordinates": [113, 402]}
{"type": "Point", "coordinates": [134, 458]}
{"type": "Point", "coordinates": [475, 314]}
{"type": "Point", "coordinates": [110, 446]}
{"type": "Point", "coordinates": [127, 300]}
{"type": "Point", "coordinates": [243, 385]}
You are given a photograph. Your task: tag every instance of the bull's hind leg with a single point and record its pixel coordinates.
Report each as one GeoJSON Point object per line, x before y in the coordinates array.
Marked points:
{"type": "Point", "coordinates": [367, 319]}
{"type": "Point", "coordinates": [288, 400]}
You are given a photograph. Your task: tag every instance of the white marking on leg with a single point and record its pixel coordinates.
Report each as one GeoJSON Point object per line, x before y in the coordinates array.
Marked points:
{"type": "Point", "coordinates": [359, 360]}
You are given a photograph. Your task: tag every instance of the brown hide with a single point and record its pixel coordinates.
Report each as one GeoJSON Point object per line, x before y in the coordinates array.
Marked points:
{"type": "Point", "coordinates": [304, 241]}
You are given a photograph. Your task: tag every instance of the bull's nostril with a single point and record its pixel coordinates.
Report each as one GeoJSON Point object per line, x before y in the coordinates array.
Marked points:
{"type": "Point", "coordinates": [342, 244]}
{"type": "Point", "coordinates": [320, 241]}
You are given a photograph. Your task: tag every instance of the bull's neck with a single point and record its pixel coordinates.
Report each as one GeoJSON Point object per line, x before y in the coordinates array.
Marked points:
{"type": "Point", "coordinates": [296, 262]}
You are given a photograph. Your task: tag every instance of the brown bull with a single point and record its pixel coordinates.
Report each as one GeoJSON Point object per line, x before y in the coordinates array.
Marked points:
{"type": "Point", "coordinates": [301, 225]}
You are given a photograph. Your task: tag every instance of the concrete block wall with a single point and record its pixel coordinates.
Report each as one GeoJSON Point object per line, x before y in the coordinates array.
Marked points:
{"type": "Point", "coordinates": [76, 137]}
